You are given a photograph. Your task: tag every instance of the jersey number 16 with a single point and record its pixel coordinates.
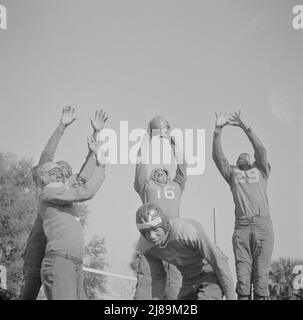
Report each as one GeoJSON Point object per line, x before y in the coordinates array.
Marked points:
{"type": "Point", "coordinates": [168, 192]}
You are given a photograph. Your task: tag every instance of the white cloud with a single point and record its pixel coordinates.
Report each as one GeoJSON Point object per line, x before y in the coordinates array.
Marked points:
{"type": "Point", "coordinates": [282, 107]}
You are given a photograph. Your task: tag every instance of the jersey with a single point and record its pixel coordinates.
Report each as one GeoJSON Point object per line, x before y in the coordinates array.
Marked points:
{"type": "Point", "coordinates": [61, 223]}
{"type": "Point", "coordinates": [191, 251]}
{"type": "Point", "coordinates": [249, 187]}
{"type": "Point", "coordinates": [165, 195]}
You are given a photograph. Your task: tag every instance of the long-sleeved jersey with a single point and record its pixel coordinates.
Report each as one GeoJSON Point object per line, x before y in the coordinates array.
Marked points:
{"type": "Point", "coordinates": [190, 250]}
{"type": "Point", "coordinates": [61, 224]}
{"type": "Point", "coordinates": [249, 188]}
{"type": "Point", "coordinates": [34, 251]}
{"type": "Point", "coordinates": [166, 196]}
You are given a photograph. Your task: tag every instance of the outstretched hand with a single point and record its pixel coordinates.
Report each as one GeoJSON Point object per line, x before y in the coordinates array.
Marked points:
{"type": "Point", "coordinates": [67, 117]}
{"type": "Point", "coordinates": [235, 119]}
{"type": "Point", "coordinates": [95, 147]}
{"type": "Point", "coordinates": [99, 122]}
{"type": "Point", "coordinates": [222, 119]}
{"type": "Point", "coordinates": [93, 144]}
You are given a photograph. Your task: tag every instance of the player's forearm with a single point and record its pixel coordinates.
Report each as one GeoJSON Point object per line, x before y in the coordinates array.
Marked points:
{"type": "Point", "coordinates": [51, 145]}
{"type": "Point", "coordinates": [93, 184]}
{"type": "Point", "coordinates": [225, 279]}
{"type": "Point", "coordinates": [140, 177]}
{"type": "Point", "coordinates": [143, 152]}
{"type": "Point", "coordinates": [88, 168]}
{"type": "Point", "coordinates": [181, 174]}
{"type": "Point", "coordinates": [253, 138]}
{"type": "Point", "coordinates": [259, 148]}
{"type": "Point", "coordinates": [218, 261]}
{"type": "Point", "coordinates": [218, 154]}
{"type": "Point", "coordinates": [90, 164]}
{"type": "Point", "coordinates": [141, 169]}
{"type": "Point", "coordinates": [217, 145]}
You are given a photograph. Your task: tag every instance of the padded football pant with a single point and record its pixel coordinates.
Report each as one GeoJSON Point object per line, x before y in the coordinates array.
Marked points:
{"type": "Point", "coordinates": [253, 242]}
{"type": "Point", "coordinates": [144, 284]}
{"type": "Point", "coordinates": [205, 286]}
{"type": "Point", "coordinates": [33, 256]}
{"type": "Point", "coordinates": [62, 278]}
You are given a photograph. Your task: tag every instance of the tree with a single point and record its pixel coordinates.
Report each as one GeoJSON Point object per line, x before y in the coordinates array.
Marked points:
{"type": "Point", "coordinates": [281, 279]}
{"type": "Point", "coordinates": [18, 209]}
{"type": "Point", "coordinates": [94, 257]}
{"type": "Point", "coordinates": [7, 295]}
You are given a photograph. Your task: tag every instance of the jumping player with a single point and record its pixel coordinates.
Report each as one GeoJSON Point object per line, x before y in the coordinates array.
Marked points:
{"type": "Point", "coordinates": [253, 237]}
{"type": "Point", "coordinates": [183, 243]}
{"type": "Point", "coordinates": [34, 251]}
{"type": "Point", "coordinates": [35, 248]}
{"type": "Point", "coordinates": [61, 271]}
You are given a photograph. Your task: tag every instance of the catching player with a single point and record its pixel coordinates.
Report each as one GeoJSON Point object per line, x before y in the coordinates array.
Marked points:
{"type": "Point", "coordinates": [253, 237]}
{"type": "Point", "coordinates": [165, 192]}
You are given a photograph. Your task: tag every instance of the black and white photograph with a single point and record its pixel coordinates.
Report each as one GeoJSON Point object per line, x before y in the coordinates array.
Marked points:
{"type": "Point", "coordinates": [151, 150]}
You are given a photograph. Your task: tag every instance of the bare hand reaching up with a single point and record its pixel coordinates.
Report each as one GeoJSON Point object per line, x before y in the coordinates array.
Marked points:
{"type": "Point", "coordinates": [99, 122]}
{"type": "Point", "coordinates": [222, 119]}
{"type": "Point", "coordinates": [95, 146]}
{"type": "Point", "coordinates": [67, 117]}
{"type": "Point", "coordinates": [236, 120]}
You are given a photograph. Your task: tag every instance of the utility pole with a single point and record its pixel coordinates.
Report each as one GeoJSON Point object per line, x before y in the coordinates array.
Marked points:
{"type": "Point", "coordinates": [214, 220]}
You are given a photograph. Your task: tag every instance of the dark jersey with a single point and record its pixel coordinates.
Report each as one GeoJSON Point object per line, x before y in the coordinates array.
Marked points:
{"type": "Point", "coordinates": [191, 251]}
{"type": "Point", "coordinates": [61, 223]}
{"type": "Point", "coordinates": [167, 196]}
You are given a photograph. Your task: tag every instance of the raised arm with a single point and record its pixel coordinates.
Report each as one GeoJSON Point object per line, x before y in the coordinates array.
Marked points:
{"type": "Point", "coordinates": [181, 175]}
{"type": "Point", "coordinates": [88, 167]}
{"type": "Point", "coordinates": [48, 153]}
{"type": "Point", "coordinates": [218, 154]}
{"type": "Point", "coordinates": [141, 174]}
{"type": "Point", "coordinates": [216, 259]}
{"type": "Point", "coordinates": [260, 151]}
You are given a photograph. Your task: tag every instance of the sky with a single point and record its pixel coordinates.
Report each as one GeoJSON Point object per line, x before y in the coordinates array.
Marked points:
{"type": "Point", "coordinates": [181, 59]}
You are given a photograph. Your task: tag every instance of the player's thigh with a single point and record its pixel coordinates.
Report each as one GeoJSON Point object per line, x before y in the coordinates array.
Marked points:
{"type": "Point", "coordinates": [59, 279]}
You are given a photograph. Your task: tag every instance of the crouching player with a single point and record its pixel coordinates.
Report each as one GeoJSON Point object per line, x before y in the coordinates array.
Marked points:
{"type": "Point", "coordinates": [183, 243]}
{"type": "Point", "coordinates": [61, 271]}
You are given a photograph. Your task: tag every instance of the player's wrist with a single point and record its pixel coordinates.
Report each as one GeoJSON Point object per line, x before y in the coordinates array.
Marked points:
{"type": "Point", "coordinates": [244, 126]}
{"type": "Point", "coordinates": [218, 129]}
{"type": "Point", "coordinates": [62, 126]}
